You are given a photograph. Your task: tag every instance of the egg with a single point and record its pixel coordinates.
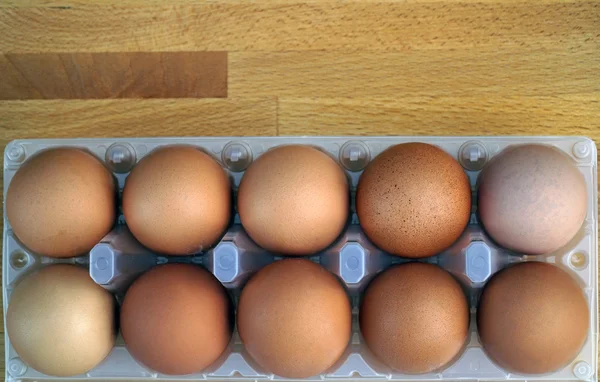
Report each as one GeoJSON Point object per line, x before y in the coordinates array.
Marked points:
{"type": "Point", "coordinates": [60, 322]}
{"type": "Point", "coordinates": [413, 200]}
{"type": "Point", "coordinates": [177, 200]}
{"type": "Point", "coordinates": [294, 318]}
{"type": "Point", "coordinates": [176, 319]}
{"type": "Point", "coordinates": [532, 318]}
{"type": "Point", "coordinates": [532, 199]}
{"type": "Point", "coordinates": [61, 202]}
{"type": "Point", "coordinates": [294, 200]}
{"type": "Point", "coordinates": [415, 318]}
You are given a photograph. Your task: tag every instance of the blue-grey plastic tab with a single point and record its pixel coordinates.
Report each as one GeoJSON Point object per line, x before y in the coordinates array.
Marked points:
{"type": "Point", "coordinates": [352, 263]}
{"type": "Point", "coordinates": [118, 260]}
{"type": "Point", "coordinates": [226, 262]}
{"type": "Point", "coordinates": [102, 264]}
{"type": "Point", "coordinates": [478, 261]}
{"type": "Point", "coordinates": [473, 258]}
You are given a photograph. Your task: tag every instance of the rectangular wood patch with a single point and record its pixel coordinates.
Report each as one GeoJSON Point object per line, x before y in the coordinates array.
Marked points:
{"type": "Point", "coordinates": [113, 75]}
{"type": "Point", "coordinates": [137, 118]}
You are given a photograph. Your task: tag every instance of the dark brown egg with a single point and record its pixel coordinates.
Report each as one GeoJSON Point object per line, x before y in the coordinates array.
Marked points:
{"type": "Point", "coordinates": [294, 318]}
{"type": "Point", "coordinates": [294, 200]}
{"type": "Point", "coordinates": [177, 200]}
{"type": "Point", "coordinates": [60, 322]}
{"type": "Point", "coordinates": [532, 199]}
{"type": "Point", "coordinates": [413, 200]}
{"type": "Point", "coordinates": [175, 319]}
{"type": "Point", "coordinates": [61, 202]}
{"type": "Point", "coordinates": [415, 318]}
{"type": "Point", "coordinates": [533, 318]}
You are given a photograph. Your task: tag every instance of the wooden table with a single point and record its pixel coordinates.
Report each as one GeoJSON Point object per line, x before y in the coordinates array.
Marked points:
{"type": "Point", "coordinates": [116, 68]}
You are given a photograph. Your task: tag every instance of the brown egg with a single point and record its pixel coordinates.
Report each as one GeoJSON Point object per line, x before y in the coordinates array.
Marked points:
{"type": "Point", "coordinates": [177, 200]}
{"type": "Point", "coordinates": [294, 318]}
{"type": "Point", "coordinates": [294, 200]}
{"type": "Point", "coordinates": [60, 322]}
{"type": "Point", "coordinates": [533, 318]}
{"type": "Point", "coordinates": [61, 202]}
{"type": "Point", "coordinates": [532, 199]}
{"type": "Point", "coordinates": [415, 318]}
{"type": "Point", "coordinates": [176, 319]}
{"type": "Point", "coordinates": [413, 200]}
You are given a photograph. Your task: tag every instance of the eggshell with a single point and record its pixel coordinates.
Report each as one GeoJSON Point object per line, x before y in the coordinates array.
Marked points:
{"type": "Point", "coordinates": [61, 202]}
{"type": "Point", "coordinates": [532, 199]}
{"type": "Point", "coordinates": [415, 318]}
{"type": "Point", "coordinates": [533, 318]}
{"type": "Point", "coordinates": [294, 200]}
{"type": "Point", "coordinates": [176, 319]}
{"type": "Point", "coordinates": [294, 318]}
{"type": "Point", "coordinates": [177, 200]}
{"type": "Point", "coordinates": [60, 322]}
{"type": "Point", "coordinates": [413, 200]}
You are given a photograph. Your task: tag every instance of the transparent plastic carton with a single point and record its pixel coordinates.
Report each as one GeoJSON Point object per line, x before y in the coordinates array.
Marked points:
{"type": "Point", "coordinates": [473, 259]}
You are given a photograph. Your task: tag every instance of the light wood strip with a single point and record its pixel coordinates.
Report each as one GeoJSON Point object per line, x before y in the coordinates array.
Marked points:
{"type": "Point", "coordinates": [66, 4]}
{"type": "Point", "coordinates": [400, 74]}
{"type": "Point", "coordinates": [136, 118]}
{"type": "Point", "coordinates": [494, 115]}
{"type": "Point", "coordinates": [249, 26]}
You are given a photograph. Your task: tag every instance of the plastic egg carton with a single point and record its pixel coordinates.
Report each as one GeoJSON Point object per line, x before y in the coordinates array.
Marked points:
{"type": "Point", "coordinates": [118, 259]}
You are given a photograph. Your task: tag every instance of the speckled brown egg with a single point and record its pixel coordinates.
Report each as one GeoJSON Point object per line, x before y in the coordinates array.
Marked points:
{"type": "Point", "coordinates": [294, 200]}
{"type": "Point", "coordinates": [533, 318]}
{"type": "Point", "coordinates": [177, 200]}
{"type": "Point", "coordinates": [294, 318]}
{"type": "Point", "coordinates": [413, 200]}
{"type": "Point", "coordinates": [61, 202]}
{"type": "Point", "coordinates": [532, 199]}
{"type": "Point", "coordinates": [60, 322]}
{"type": "Point", "coordinates": [176, 319]}
{"type": "Point", "coordinates": [415, 318]}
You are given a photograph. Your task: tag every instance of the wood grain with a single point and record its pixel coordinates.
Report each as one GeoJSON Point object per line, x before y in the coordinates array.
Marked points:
{"type": "Point", "coordinates": [67, 4]}
{"type": "Point", "coordinates": [265, 26]}
{"type": "Point", "coordinates": [142, 118]}
{"type": "Point", "coordinates": [113, 75]}
{"type": "Point", "coordinates": [464, 72]}
{"type": "Point", "coordinates": [508, 115]}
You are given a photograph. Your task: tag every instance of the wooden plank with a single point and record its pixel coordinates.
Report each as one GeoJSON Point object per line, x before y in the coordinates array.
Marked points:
{"type": "Point", "coordinates": [66, 4]}
{"type": "Point", "coordinates": [398, 74]}
{"type": "Point", "coordinates": [265, 26]}
{"type": "Point", "coordinates": [113, 75]}
{"type": "Point", "coordinates": [136, 118]}
{"type": "Point", "coordinates": [494, 115]}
